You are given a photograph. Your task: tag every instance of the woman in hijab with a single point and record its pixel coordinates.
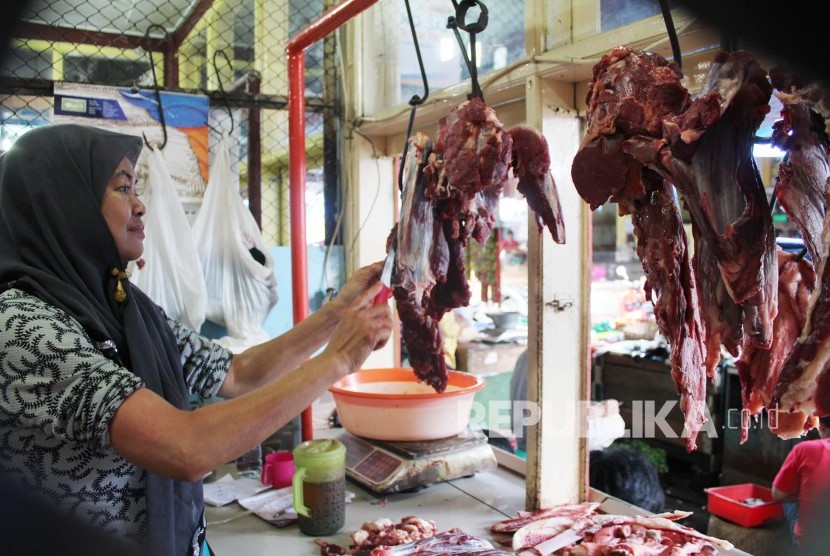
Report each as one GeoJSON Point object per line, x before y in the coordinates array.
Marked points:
{"type": "Point", "coordinates": [95, 381]}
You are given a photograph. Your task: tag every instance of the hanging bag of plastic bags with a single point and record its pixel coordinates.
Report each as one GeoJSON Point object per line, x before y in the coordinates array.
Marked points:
{"type": "Point", "coordinates": [171, 274]}
{"type": "Point", "coordinates": [239, 271]}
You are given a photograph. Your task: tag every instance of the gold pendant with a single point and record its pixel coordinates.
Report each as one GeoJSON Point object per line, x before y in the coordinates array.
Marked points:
{"type": "Point", "coordinates": [120, 293]}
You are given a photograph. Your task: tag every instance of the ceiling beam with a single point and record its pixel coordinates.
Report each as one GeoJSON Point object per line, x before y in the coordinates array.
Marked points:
{"type": "Point", "coordinates": [51, 33]}
{"type": "Point", "coordinates": [38, 31]}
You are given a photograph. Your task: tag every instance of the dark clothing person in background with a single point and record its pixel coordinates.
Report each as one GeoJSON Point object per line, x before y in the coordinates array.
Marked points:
{"type": "Point", "coordinates": [628, 475]}
{"type": "Point", "coordinates": [96, 381]}
{"type": "Point", "coordinates": [518, 393]}
{"type": "Point", "coordinates": [803, 482]}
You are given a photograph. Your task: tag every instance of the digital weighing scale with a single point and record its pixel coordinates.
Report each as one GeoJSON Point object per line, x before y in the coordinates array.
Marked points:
{"type": "Point", "coordinates": [385, 466]}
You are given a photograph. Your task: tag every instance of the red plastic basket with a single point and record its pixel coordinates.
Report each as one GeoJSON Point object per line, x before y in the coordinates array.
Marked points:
{"type": "Point", "coordinates": [729, 502]}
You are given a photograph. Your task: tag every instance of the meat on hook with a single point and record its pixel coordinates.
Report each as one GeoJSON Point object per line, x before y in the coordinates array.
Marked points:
{"type": "Point", "coordinates": [450, 194]}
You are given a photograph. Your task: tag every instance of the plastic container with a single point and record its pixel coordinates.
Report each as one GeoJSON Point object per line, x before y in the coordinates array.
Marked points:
{"type": "Point", "coordinates": [390, 404]}
{"type": "Point", "coordinates": [319, 486]}
{"type": "Point", "coordinates": [746, 504]}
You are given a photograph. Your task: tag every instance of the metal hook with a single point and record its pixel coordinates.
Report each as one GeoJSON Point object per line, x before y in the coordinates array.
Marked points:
{"type": "Point", "coordinates": [219, 84]}
{"type": "Point", "coordinates": [416, 100]}
{"type": "Point", "coordinates": [459, 22]}
{"type": "Point", "coordinates": [156, 85]}
{"type": "Point", "coordinates": [461, 14]}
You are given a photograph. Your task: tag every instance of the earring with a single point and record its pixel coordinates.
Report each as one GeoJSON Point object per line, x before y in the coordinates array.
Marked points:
{"type": "Point", "coordinates": [120, 294]}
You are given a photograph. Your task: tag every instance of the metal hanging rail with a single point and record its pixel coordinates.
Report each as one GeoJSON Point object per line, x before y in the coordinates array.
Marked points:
{"type": "Point", "coordinates": [295, 49]}
{"type": "Point", "coordinates": [416, 100]}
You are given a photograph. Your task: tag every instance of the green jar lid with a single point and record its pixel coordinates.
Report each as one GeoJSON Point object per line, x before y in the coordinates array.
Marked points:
{"type": "Point", "coordinates": [320, 451]}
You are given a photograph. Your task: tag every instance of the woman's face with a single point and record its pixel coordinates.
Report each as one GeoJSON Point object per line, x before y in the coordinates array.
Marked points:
{"type": "Point", "coordinates": [123, 211]}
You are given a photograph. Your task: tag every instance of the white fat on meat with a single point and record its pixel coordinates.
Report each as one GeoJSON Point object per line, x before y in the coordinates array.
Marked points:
{"type": "Point", "coordinates": [601, 534]}
{"type": "Point", "coordinates": [803, 384]}
{"type": "Point", "coordinates": [571, 511]}
{"type": "Point", "coordinates": [415, 231]}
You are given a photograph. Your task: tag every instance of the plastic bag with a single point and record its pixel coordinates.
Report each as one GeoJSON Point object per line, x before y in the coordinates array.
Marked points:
{"type": "Point", "coordinates": [241, 290]}
{"type": "Point", "coordinates": [172, 273]}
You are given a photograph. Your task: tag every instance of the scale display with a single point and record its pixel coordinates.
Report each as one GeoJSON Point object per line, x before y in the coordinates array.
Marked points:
{"type": "Point", "coordinates": [386, 467]}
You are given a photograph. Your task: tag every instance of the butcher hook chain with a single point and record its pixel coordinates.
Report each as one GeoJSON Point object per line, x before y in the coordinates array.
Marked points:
{"type": "Point", "coordinates": [416, 100]}
{"type": "Point", "coordinates": [675, 43]}
{"type": "Point", "coordinates": [458, 21]}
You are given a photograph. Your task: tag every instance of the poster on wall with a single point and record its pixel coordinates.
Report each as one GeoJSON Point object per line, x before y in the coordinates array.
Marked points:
{"type": "Point", "coordinates": [137, 112]}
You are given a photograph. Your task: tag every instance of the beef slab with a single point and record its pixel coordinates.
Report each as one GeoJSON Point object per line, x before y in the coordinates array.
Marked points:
{"type": "Point", "coordinates": [450, 196]}
{"type": "Point", "coordinates": [759, 369]}
{"type": "Point", "coordinates": [631, 94]}
{"type": "Point", "coordinates": [531, 164]}
{"type": "Point", "coordinates": [707, 154]}
{"type": "Point", "coordinates": [802, 178]}
{"type": "Point", "coordinates": [413, 276]}
{"type": "Point", "coordinates": [804, 385]}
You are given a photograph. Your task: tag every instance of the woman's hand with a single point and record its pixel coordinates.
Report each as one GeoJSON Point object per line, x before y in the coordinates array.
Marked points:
{"type": "Point", "coordinates": [355, 286]}
{"type": "Point", "coordinates": [362, 328]}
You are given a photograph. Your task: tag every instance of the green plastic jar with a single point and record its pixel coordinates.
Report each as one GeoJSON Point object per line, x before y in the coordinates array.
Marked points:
{"type": "Point", "coordinates": [319, 486]}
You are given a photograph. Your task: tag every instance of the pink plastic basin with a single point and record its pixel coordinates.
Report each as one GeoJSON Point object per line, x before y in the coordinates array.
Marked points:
{"type": "Point", "coordinates": [390, 404]}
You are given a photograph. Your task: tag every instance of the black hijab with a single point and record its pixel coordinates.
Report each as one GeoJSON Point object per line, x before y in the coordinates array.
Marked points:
{"type": "Point", "coordinates": [55, 244]}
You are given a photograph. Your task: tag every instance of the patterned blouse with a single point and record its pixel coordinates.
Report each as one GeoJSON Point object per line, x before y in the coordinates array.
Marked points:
{"type": "Point", "coordinates": [58, 394]}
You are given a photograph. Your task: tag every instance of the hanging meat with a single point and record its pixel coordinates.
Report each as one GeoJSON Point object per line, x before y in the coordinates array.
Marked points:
{"type": "Point", "coordinates": [707, 155]}
{"type": "Point", "coordinates": [802, 178]}
{"type": "Point", "coordinates": [450, 195]}
{"type": "Point", "coordinates": [414, 276]}
{"type": "Point", "coordinates": [801, 394]}
{"type": "Point", "coordinates": [759, 369]}
{"type": "Point", "coordinates": [797, 87]}
{"type": "Point", "coordinates": [722, 317]}
{"type": "Point", "coordinates": [631, 94]}
{"type": "Point", "coordinates": [706, 152]}
{"type": "Point", "coordinates": [531, 164]}
{"type": "Point", "coordinates": [804, 385]}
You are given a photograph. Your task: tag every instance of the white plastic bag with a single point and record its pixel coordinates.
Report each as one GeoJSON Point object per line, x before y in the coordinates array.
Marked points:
{"type": "Point", "coordinates": [172, 273]}
{"type": "Point", "coordinates": [240, 290]}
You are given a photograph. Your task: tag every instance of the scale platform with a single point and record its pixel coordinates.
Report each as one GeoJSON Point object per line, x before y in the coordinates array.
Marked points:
{"type": "Point", "coordinates": [385, 466]}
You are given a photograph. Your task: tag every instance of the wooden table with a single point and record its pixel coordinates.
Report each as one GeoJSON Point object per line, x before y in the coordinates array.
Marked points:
{"type": "Point", "coordinates": [472, 504]}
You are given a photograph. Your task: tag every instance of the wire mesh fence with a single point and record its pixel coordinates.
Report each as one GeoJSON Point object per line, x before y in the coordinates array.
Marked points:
{"type": "Point", "coordinates": [231, 51]}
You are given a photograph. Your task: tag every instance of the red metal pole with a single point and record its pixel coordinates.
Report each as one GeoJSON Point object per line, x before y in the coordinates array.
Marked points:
{"type": "Point", "coordinates": [326, 23]}
{"type": "Point", "coordinates": [295, 49]}
{"type": "Point", "coordinates": [296, 180]}
{"type": "Point", "coordinates": [297, 170]}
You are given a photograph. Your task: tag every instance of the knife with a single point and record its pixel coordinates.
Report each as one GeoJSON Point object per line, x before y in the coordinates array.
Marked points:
{"type": "Point", "coordinates": [386, 279]}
